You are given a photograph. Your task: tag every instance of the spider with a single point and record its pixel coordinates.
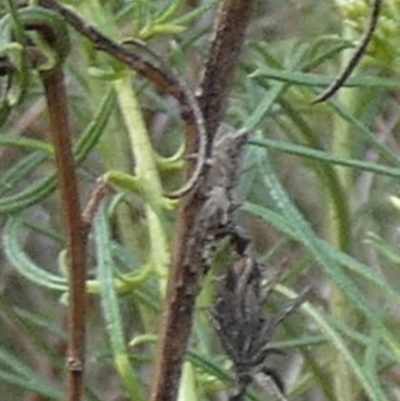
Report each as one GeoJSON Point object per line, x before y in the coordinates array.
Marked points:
{"type": "Point", "coordinates": [245, 331]}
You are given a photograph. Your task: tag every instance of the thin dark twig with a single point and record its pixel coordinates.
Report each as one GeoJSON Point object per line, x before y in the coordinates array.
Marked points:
{"type": "Point", "coordinates": [356, 57]}
{"type": "Point", "coordinates": [57, 104]}
{"type": "Point", "coordinates": [99, 192]}
{"type": "Point", "coordinates": [164, 81]}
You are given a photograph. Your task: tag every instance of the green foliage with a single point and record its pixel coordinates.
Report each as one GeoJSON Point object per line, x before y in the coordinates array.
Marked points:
{"type": "Point", "coordinates": [325, 210]}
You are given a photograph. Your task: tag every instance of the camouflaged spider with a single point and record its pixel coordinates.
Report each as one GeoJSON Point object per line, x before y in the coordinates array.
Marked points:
{"type": "Point", "coordinates": [245, 331]}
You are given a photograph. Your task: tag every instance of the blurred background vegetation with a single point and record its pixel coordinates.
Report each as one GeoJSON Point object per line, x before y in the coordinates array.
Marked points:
{"type": "Point", "coordinates": [319, 191]}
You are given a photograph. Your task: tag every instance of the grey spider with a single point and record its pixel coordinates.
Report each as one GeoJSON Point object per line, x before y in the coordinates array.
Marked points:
{"type": "Point", "coordinates": [244, 329]}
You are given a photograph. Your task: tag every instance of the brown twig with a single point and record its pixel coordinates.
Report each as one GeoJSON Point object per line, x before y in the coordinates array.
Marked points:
{"type": "Point", "coordinates": [355, 58]}
{"type": "Point", "coordinates": [98, 193]}
{"type": "Point", "coordinates": [188, 269]}
{"type": "Point", "coordinates": [61, 138]}
{"type": "Point", "coordinates": [233, 18]}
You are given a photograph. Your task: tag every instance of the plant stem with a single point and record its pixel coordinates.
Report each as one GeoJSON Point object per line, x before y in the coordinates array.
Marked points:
{"type": "Point", "coordinates": [165, 81]}
{"type": "Point", "coordinates": [114, 149]}
{"type": "Point", "coordinates": [340, 232]}
{"type": "Point", "coordinates": [186, 273]}
{"type": "Point", "coordinates": [61, 138]}
{"type": "Point", "coordinates": [145, 172]}
{"type": "Point", "coordinates": [233, 17]}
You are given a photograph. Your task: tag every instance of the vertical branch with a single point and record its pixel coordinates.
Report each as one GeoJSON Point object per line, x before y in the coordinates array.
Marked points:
{"type": "Point", "coordinates": [61, 138]}
{"type": "Point", "coordinates": [187, 268]}
{"type": "Point", "coordinates": [233, 18]}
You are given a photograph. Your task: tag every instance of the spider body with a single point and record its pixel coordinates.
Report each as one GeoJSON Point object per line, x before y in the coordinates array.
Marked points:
{"type": "Point", "coordinates": [244, 329]}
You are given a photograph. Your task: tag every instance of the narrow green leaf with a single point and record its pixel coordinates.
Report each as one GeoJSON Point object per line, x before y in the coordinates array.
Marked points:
{"type": "Point", "coordinates": [358, 337]}
{"type": "Point", "coordinates": [265, 105]}
{"type": "Point", "coordinates": [19, 171]}
{"type": "Point", "coordinates": [36, 192]}
{"type": "Point", "coordinates": [25, 377]}
{"type": "Point", "coordinates": [31, 385]}
{"type": "Point", "coordinates": [92, 133]}
{"type": "Point", "coordinates": [340, 345]}
{"type": "Point", "coordinates": [325, 157]}
{"type": "Point", "coordinates": [110, 306]}
{"type": "Point", "coordinates": [24, 143]}
{"type": "Point", "coordinates": [281, 224]}
{"type": "Point", "coordinates": [317, 80]}
{"type": "Point", "coordinates": [44, 187]}
{"type": "Point", "coordinates": [190, 16]}
{"type": "Point", "coordinates": [369, 135]}
{"type": "Point", "coordinates": [311, 241]}
{"type": "Point", "coordinates": [384, 248]}
{"type": "Point", "coordinates": [273, 93]}
{"type": "Point", "coordinates": [20, 260]}
{"type": "Point", "coordinates": [172, 8]}
{"type": "Point", "coordinates": [371, 361]}
{"type": "Point", "coordinates": [207, 365]}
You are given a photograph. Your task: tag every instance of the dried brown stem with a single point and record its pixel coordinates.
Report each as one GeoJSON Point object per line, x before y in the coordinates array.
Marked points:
{"type": "Point", "coordinates": [233, 18]}
{"type": "Point", "coordinates": [355, 58]}
{"type": "Point", "coordinates": [187, 269]}
{"type": "Point", "coordinates": [99, 192]}
{"type": "Point", "coordinates": [61, 138]}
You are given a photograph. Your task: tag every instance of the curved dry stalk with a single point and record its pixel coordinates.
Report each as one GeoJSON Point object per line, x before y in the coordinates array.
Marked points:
{"type": "Point", "coordinates": [165, 81]}
{"type": "Point", "coordinates": [355, 58]}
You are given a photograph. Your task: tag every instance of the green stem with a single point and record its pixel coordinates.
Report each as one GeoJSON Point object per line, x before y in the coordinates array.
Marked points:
{"type": "Point", "coordinates": [339, 231]}
{"type": "Point", "coordinates": [115, 151]}
{"type": "Point", "coordinates": [187, 389]}
{"type": "Point", "coordinates": [146, 172]}
{"type": "Point", "coordinates": [113, 148]}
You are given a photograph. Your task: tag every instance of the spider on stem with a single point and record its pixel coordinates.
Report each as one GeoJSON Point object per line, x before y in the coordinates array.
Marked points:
{"type": "Point", "coordinates": [244, 329]}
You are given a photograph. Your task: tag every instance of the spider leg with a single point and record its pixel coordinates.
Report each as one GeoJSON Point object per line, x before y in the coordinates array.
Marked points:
{"type": "Point", "coordinates": [275, 378]}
